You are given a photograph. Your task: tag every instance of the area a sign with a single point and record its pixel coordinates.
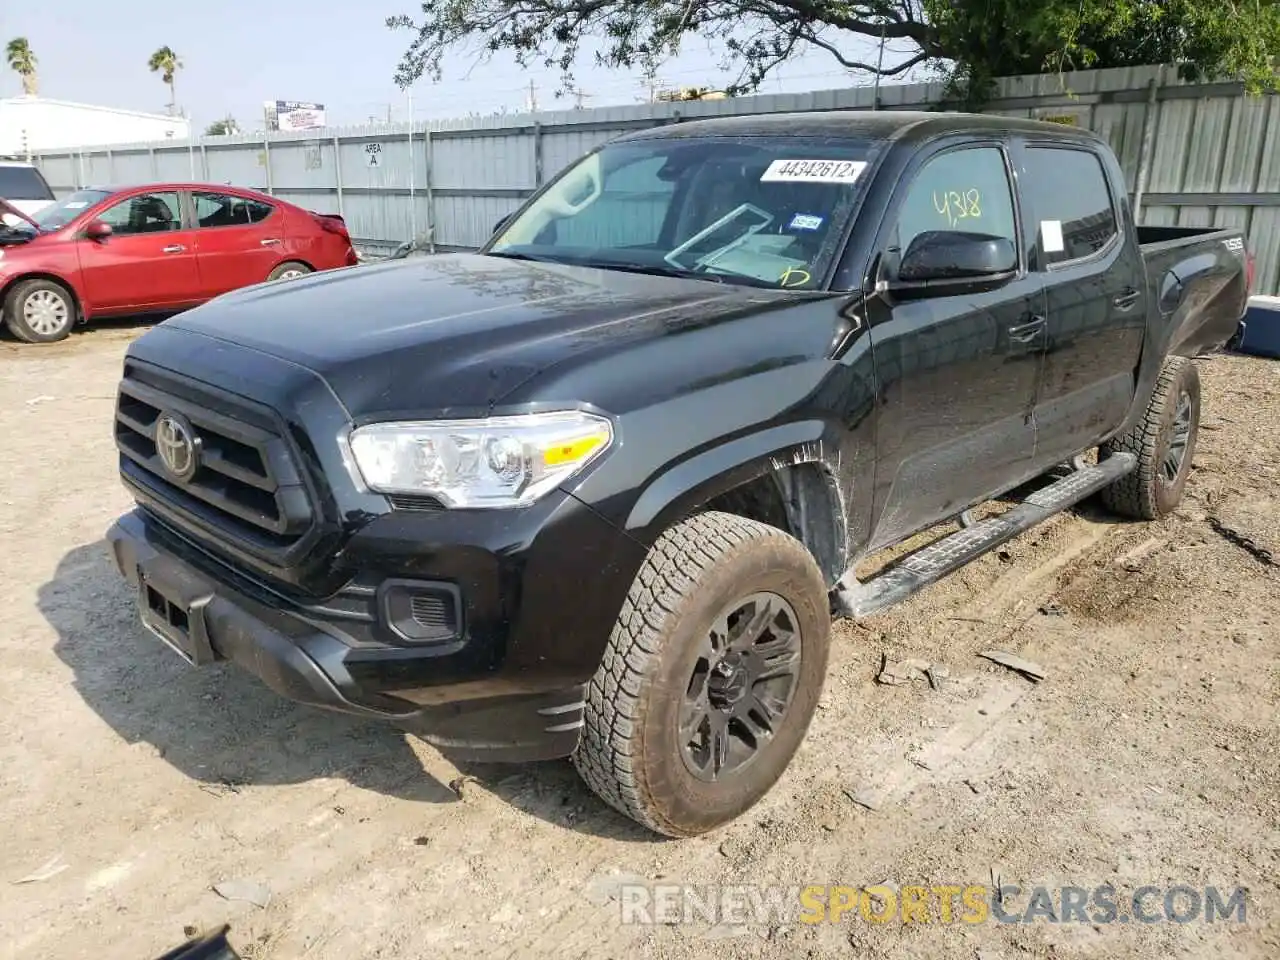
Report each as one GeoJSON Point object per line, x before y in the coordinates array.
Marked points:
{"type": "Point", "coordinates": [373, 154]}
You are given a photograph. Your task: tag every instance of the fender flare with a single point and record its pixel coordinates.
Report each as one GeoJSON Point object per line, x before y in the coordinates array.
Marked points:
{"type": "Point", "coordinates": [681, 487]}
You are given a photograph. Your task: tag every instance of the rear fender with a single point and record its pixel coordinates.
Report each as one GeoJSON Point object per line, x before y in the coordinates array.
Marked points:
{"type": "Point", "coordinates": [1196, 305]}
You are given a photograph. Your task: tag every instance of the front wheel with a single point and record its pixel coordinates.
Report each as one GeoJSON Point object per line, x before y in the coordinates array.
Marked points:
{"type": "Point", "coordinates": [39, 311]}
{"type": "Point", "coordinates": [289, 271]}
{"type": "Point", "coordinates": [710, 677]}
{"type": "Point", "coordinates": [1164, 441]}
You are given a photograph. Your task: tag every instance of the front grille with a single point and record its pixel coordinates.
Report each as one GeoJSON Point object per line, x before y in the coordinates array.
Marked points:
{"type": "Point", "coordinates": [245, 485]}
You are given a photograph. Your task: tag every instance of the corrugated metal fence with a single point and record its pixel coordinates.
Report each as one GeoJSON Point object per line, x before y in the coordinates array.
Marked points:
{"type": "Point", "coordinates": [1194, 155]}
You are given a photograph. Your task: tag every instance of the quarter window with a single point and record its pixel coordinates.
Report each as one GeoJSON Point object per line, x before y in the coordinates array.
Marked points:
{"type": "Point", "coordinates": [961, 191]}
{"type": "Point", "coordinates": [146, 213]}
{"type": "Point", "coordinates": [1072, 201]}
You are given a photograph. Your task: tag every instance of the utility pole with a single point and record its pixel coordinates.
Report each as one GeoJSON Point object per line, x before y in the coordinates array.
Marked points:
{"type": "Point", "coordinates": [875, 92]}
{"type": "Point", "coordinates": [533, 96]}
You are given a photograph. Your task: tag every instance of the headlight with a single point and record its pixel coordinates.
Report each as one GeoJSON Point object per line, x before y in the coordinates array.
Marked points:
{"type": "Point", "coordinates": [494, 462]}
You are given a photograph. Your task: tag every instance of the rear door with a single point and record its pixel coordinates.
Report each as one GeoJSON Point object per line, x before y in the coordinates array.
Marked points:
{"type": "Point", "coordinates": [239, 240]}
{"type": "Point", "coordinates": [1091, 266]}
{"type": "Point", "coordinates": [956, 374]}
{"type": "Point", "coordinates": [149, 260]}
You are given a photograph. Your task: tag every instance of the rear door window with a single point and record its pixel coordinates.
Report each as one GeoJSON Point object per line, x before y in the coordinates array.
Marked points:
{"type": "Point", "coordinates": [23, 183]}
{"type": "Point", "coordinates": [1068, 189]}
{"type": "Point", "coordinates": [227, 210]}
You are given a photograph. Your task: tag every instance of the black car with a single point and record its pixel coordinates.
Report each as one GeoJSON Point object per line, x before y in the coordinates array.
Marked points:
{"type": "Point", "coordinates": [595, 490]}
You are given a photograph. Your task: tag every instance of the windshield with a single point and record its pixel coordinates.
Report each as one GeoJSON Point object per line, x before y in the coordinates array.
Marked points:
{"type": "Point", "coordinates": [58, 215]}
{"type": "Point", "coordinates": [764, 211]}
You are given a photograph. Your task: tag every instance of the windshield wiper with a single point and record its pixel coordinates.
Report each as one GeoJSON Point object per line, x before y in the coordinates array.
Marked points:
{"type": "Point", "coordinates": [657, 270]}
{"type": "Point", "coordinates": [648, 268]}
{"type": "Point", "coordinates": [511, 255]}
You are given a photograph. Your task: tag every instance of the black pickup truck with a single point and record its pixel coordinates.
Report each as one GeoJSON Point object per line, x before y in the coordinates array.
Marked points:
{"type": "Point", "coordinates": [597, 489]}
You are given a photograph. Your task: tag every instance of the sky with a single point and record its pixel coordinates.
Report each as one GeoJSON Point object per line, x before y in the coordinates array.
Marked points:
{"type": "Point", "coordinates": [238, 53]}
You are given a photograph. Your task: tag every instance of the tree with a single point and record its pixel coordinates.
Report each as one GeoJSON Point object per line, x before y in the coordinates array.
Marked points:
{"type": "Point", "coordinates": [690, 93]}
{"type": "Point", "coordinates": [972, 40]}
{"type": "Point", "coordinates": [166, 63]}
{"type": "Point", "coordinates": [23, 62]}
{"type": "Point", "coordinates": [222, 128]}
{"type": "Point", "coordinates": [1206, 41]}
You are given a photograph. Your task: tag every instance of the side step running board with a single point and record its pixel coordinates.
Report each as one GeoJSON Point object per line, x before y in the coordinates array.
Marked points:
{"type": "Point", "coordinates": [930, 564]}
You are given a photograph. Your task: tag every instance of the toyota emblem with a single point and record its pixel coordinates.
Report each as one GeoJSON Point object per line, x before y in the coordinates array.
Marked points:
{"type": "Point", "coordinates": [177, 446]}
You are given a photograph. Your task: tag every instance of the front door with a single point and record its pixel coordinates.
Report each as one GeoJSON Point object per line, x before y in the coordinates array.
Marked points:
{"type": "Point", "coordinates": [956, 374]}
{"type": "Point", "coordinates": [149, 260]}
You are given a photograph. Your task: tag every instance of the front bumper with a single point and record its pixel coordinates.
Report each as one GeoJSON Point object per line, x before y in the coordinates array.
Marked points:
{"type": "Point", "coordinates": [508, 686]}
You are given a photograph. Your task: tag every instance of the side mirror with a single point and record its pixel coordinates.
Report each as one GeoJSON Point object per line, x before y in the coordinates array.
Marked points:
{"type": "Point", "coordinates": [497, 227]}
{"type": "Point", "coordinates": [98, 231]}
{"type": "Point", "coordinates": [940, 262]}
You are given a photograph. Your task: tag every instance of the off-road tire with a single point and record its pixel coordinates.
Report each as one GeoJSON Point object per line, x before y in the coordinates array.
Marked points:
{"type": "Point", "coordinates": [290, 267]}
{"type": "Point", "coordinates": [1237, 338]}
{"type": "Point", "coordinates": [629, 753]}
{"type": "Point", "coordinates": [17, 323]}
{"type": "Point", "coordinates": [1146, 494]}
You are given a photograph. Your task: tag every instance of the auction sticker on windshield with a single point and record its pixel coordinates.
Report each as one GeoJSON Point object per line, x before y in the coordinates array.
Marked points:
{"type": "Point", "coordinates": [813, 171]}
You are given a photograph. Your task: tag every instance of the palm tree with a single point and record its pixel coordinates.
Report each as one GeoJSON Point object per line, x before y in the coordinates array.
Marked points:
{"type": "Point", "coordinates": [166, 63]}
{"type": "Point", "coordinates": [23, 61]}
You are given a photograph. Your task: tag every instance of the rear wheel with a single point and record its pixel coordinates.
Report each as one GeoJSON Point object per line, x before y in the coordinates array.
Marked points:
{"type": "Point", "coordinates": [710, 677]}
{"type": "Point", "coordinates": [1164, 441]}
{"type": "Point", "coordinates": [39, 311]}
{"type": "Point", "coordinates": [289, 271]}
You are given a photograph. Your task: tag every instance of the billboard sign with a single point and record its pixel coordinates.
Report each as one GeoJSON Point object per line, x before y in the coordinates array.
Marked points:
{"type": "Point", "coordinates": [290, 115]}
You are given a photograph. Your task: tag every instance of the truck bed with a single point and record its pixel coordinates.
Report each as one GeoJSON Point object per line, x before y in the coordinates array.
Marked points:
{"type": "Point", "coordinates": [1197, 285]}
{"type": "Point", "coordinates": [1154, 236]}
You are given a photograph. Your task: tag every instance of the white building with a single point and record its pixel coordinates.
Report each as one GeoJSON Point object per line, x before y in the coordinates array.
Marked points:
{"type": "Point", "coordinates": [35, 123]}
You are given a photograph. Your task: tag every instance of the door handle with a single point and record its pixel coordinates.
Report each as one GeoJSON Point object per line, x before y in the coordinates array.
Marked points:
{"type": "Point", "coordinates": [176, 248]}
{"type": "Point", "coordinates": [1026, 332]}
{"type": "Point", "coordinates": [1127, 299]}
{"type": "Point", "coordinates": [269, 243]}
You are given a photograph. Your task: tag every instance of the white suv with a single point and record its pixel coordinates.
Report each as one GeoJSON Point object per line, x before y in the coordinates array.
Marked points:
{"type": "Point", "coordinates": [24, 187]}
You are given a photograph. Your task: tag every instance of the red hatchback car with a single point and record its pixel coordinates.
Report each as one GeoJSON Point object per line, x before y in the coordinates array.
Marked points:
{"type": "Point", "coordinates": [158, 248]}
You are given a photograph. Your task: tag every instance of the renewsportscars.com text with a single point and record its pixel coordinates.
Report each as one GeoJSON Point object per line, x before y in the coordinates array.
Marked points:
{"type": "Point", "coordinates": [669, 904]}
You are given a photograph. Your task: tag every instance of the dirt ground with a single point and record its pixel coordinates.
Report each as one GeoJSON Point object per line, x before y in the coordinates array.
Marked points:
{"type": "Point", "coordinates": [131, 784]}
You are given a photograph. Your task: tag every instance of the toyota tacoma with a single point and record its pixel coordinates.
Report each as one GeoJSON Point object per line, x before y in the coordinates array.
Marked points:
{"type": "Point", "coordinates": [596, 490]}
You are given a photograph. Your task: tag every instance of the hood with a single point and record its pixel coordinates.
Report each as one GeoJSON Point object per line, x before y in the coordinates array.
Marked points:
{"type": "Point", "coordinates": [452, 335]}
